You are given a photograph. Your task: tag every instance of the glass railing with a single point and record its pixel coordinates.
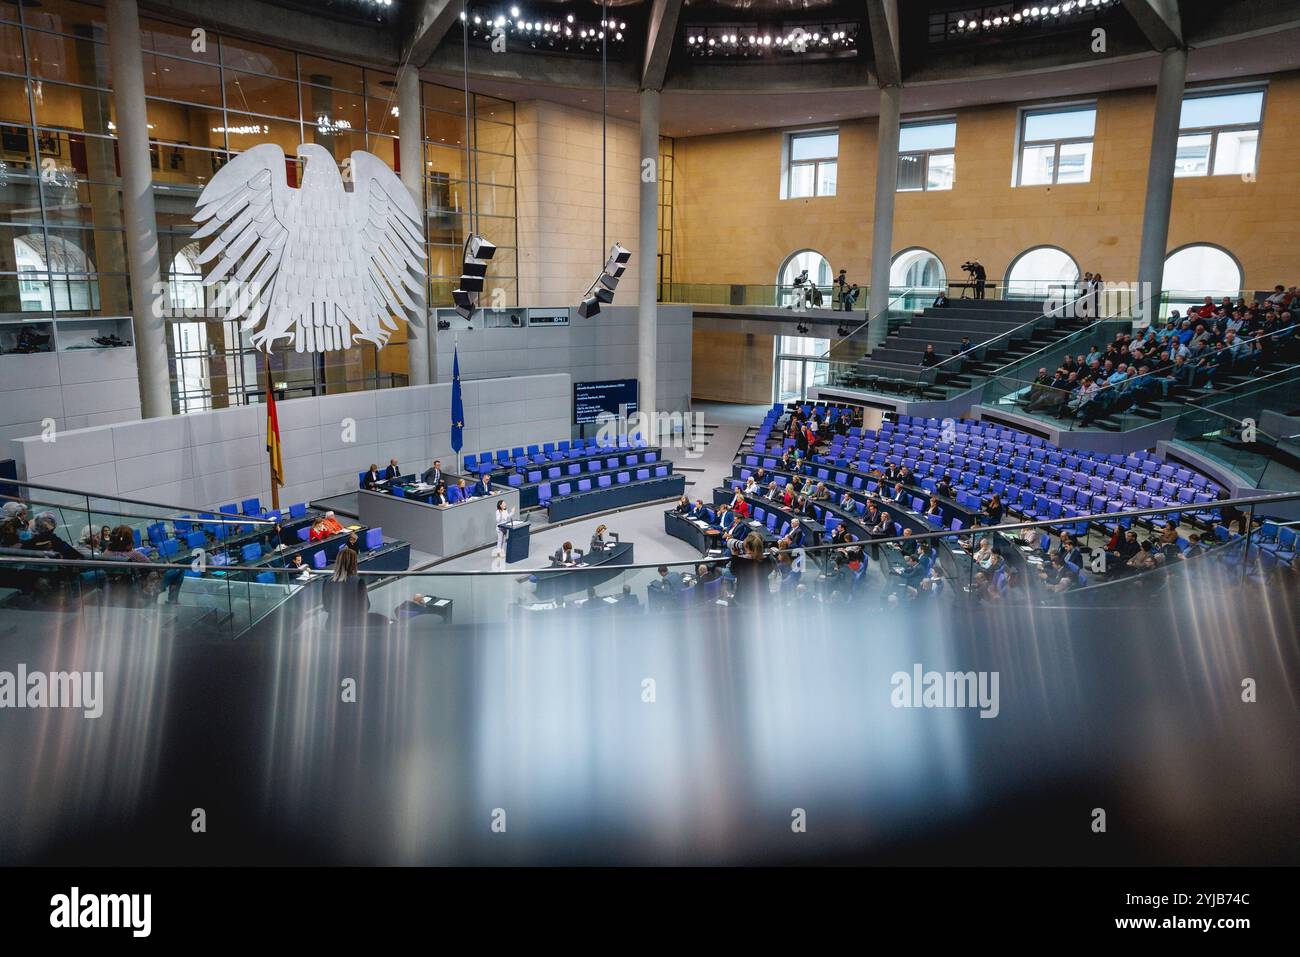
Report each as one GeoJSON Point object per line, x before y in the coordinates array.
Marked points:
{"type": "Point", "coordinates": [125, 557]}
{"type": "Point", "coordinates": [1227, 429]}
{"type": "Point", "coordinates": [42, 588]}
{"type": "Point", "coordinates": [1131, 405]}
{"type": "Point", "coordinates": [920, 380]}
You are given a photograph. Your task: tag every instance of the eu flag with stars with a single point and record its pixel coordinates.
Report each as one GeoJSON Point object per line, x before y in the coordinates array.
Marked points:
{"type": "Point", "coordinates": [457, 407]}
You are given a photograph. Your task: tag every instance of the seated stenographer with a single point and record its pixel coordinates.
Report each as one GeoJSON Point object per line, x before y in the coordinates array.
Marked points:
{"type": "Point", "coordinates": [566, 554]}
{"type": "Point", "coordinates": [598, 542]}
{"type": "Point", "coordinates": [373, 478]}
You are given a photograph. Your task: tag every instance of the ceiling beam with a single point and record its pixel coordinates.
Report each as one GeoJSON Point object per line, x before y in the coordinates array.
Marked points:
{"type": "Point", "coordinates": [882, 21]}
{"type": "Point", "coordinates": [428, 24]}
{"type": "Point", "coordinates": [1159, 20]}
{"type": "Point", "coordinates": [661, 30]}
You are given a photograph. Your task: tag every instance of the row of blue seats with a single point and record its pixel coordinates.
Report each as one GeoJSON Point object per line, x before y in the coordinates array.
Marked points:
{"type": "Point", "coordinates": [193, 530]}
{"type": "Point", "coordinates": [548, 490]}
{"type": "Point", "coordinates": [553, 451]}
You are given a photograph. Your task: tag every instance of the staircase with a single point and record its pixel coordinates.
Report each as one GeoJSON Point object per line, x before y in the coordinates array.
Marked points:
{"type": "Point", "coordinates": [895, 365]}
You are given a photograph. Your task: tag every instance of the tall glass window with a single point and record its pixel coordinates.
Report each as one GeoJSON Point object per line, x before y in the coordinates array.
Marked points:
{"type": "Point", "coordinates": [454, 181]}
{"type": "Point", "coordinates": [1056, 146]}
{"type": "Point", "coordinates": [62, 249]}
{"type": "Point", "coordinates": [1218, 133]}
{"type": "Point", "coordinates": [927, 158]}
{"type": "Point", "coordinates": [813, 164]}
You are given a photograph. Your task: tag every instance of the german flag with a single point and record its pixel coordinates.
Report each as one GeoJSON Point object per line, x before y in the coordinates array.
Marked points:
{"type": "Point", "coordinates": [273, 431]}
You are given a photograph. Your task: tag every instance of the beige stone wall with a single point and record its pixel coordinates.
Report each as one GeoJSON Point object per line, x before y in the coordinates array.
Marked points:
{"type": "Point", "coordinates": [731, 226]}
{"type": "Point", "coordinates": [558, 162]}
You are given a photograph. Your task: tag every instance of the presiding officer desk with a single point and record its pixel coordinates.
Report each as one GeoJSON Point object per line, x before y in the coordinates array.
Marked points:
{"type": "Point", "coordinates": [440, 530]}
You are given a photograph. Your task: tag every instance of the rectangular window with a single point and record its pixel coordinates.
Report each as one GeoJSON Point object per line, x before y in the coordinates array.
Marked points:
{"type": "Point", "coordinates": [1056, 146]}
{"type": "Point", "coordinates": [926, 155]}
{"type": "Point", "coordinates": [813, 163]}
{"type": "Point", "coordinates": [1218, 133]}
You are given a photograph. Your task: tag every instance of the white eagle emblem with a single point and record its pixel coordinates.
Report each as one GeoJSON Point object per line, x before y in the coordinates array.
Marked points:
{"type": "Point", "coordinates": [325, 266]}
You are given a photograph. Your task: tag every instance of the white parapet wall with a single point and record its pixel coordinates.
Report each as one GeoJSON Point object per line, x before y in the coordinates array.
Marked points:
{"type": "Point", "coordinates": [208, 458]}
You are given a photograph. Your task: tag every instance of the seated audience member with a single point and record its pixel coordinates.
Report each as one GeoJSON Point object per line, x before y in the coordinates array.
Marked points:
{"type": "Point", "coordinates": [301, 567]}
{"type": "Point", "coordinates": [484, 485]}
{"type": "Point", "coordinates": [1123, 545]}
{"type": "Point", "coordinates": [566, 554]}
{"type": "Point", "coordinates": [1058, 575]}
{"type": "Point", "coordinates": [795, 537]}
{"type": "Point", "coordinates": [1145, 558]}
{"type": "Point", "coordinates": [821, 493]}
{"type": "Point", "coordinates": [991, 514]}
{"type": "Point", "coordinates": [373, 477]}
{"type": "Point", "coordinates": [1194, 546]}
{"type": "Point", "coordinates": [847, 502]}
{"type": "Point", "coordinates": [943, 487]}
{"type": "Point", "coordinates": [933, 507]}
{"type": "Point", "coordinates": [413, 606]}
{"type": "Point", "coordinates": [45, 539]}
{"type": "Point", "coordinates": [668, 582]}
{"type": "Point", "coordinates": [319, 531]}
{"type": "Point", "coordinates": [332, 525]}
{"type": "Point", "coordinates": [440, 496]}
{"type": "Point", "coordinates": [683, 506]}
{"type": "Point", "coordinates": [929, 358]}
{"type": "Point", "coordinates": [121, 546]}
{"type": "Point", "coordinates": [628, 597]}
{"type": "Point", "coordinates": [433, 476]}
{"type": "Point", "coordinates": [908, 544]}
{"type": "Point", "coordinates": [393, 471]}
{"type": "Point", "coordinates": [773, 491]}
{"type": "Point", "coordinates": [705, 574]}
{"type": "Point", "coordinates": [9, 534]}
{"type": "Point", "coordinates": [911, 574]}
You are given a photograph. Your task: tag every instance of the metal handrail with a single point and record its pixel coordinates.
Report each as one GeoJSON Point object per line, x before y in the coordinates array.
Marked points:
{"type": "Point", "coordinates": [867, 321]}
{"type": "Point", "coordinates": [1003, 335]}
{"type": "Point", "coordinates": [1000, 371]}
{"type": "Point", "coordinates": [238, 520]}
{"type": "Point", "coordinates": [1250, 502]}
{"type": "Point", "coordinates": [1194, 400]}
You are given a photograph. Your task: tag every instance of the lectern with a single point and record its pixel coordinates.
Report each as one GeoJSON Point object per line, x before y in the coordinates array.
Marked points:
{"type": "Point", "coordinates": [516, 541]}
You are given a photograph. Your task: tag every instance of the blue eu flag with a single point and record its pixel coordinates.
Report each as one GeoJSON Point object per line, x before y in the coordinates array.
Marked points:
{"type": "Point", "coordinates": [457, 407]}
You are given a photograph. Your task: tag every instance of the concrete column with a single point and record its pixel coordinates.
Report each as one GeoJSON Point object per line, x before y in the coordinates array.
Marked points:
{"type": "Point", "coordinates": [1160, 178]}
{"type": "Point", "coordinates": [882, 229]}
{"type": "Point", "coordinates": [647, 259]}
{"type": "Point", "coordinates": [138, 208]}
{"type": "Point", "coordinates": [410, 143]}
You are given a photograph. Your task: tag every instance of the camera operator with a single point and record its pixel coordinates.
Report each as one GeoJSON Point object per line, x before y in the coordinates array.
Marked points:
{"type": "Point", "coordinates": [975, 269]}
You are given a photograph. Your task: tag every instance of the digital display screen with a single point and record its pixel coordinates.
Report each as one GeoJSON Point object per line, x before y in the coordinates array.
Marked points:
{"type": "Point", "coordinates": [594, 399]}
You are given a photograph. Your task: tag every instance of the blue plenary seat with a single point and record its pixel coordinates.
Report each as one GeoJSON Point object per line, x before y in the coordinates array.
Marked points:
{"type": "Point", "coordinates": [298, 510]}
{"type": "Point", "coordinates": [251, 506]}
{"type": "Point", "coordinates": [374, 538]}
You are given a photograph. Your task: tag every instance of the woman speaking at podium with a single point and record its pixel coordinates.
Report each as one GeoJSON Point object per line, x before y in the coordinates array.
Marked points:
{"type": "Point", "coordinates": [504, 515]}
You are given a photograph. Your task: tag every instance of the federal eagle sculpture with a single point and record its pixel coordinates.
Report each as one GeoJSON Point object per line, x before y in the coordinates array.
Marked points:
{"type": "Point", "coordinates": [323, 266]}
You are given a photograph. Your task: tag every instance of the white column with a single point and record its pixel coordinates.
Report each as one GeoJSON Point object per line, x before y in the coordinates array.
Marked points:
{"type": "Point", "coordinates": [138, 208]}
{"type": "Point", "coordinates": [882, 228]}
{"type": "Point", "coordinates": [647, 260]}
{"type": "Point", "coordinates": [420, 343]}
{"type": "Point", "coordinates": [1160, 178]}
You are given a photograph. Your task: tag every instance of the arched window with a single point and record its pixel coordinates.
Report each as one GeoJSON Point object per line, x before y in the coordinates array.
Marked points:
{"type": "Point", "coordinates": [1201, 270]}
{"type": "Point", "coordinates": [819, 268]}
{"type": "Point", "coordinates": [1196, 271]}
{"type": "Point", "coordinates": [185, 279]}
{"type": "Point", "coordinates": [918, 269]}
{"type": "Point", "coordinates": [1041, 272]}
{"type": "Point", "coordinates": [55, 273]}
